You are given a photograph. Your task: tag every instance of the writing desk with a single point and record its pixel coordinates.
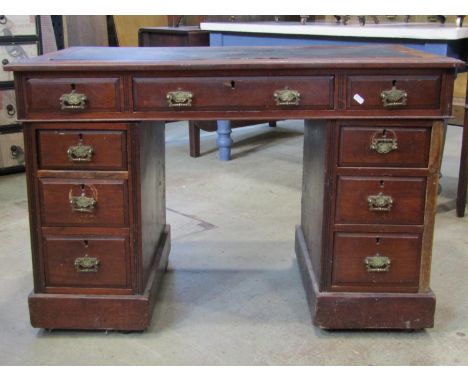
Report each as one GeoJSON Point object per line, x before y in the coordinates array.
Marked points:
{"type": "Point", "coordinates": [94, 138]}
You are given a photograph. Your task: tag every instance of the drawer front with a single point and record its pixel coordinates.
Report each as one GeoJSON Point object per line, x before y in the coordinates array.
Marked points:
{"type": "Point", "coordinates": [12, 52]}
{"type": "Point", "coordinates": [374, 260]}
{"type": "Point", "coordinates": [389, 92]}
{"type": "Point", "coordinates": [385, 200]}
{"type": "Point", "coordinates": [384, 146]}
{"type": "Point", "coordinates": [83, 202]}
{"type": "Point", "coordinates": [239, 92]}
{"type": "Point", "coordinates": [11, 149]}
{"type": "Point", "coordinates": [69, 96]}
{"type": "Point", "coordinates": [82, 261]}
{"type": "Point", "coordinates": [7, 107]}
{"type": "Point", "coordinates": [18, 25]}
{"type": "Point", "coordinates": [82, 149]}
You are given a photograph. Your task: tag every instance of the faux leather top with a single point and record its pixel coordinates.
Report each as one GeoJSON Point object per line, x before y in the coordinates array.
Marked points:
{"type": "Point", "coordinates": [111, 58]}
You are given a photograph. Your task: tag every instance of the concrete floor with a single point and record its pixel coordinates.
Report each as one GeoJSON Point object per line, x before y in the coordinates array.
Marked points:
{"type": "Point", "coordinates": [233, 293]}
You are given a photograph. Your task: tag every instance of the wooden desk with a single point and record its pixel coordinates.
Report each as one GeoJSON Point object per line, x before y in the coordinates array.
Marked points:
{"type": "Point", "coordinates": [95, 168]}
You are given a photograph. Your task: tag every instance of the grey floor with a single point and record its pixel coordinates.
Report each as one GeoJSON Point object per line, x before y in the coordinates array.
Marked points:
{"type": "Point", "coordinates": [233, 294]}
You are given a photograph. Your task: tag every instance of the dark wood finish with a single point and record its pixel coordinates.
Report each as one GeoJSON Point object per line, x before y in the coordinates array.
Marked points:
{"type": "Point", "coordinates": [194, 139]}
{"type": "Point", "coordinates": [245, 93]}
{"type": "Point", "coordinates": [108, 149]}
{"type": "Point", "coordinates": [337, 229]}
{"type": "Point", "coordinates": [435, 159]}
{"type": "Point", "coordinates": [350, 272]}
{"type": "Point", "coordinates": [316, 191]}
{"type": "Point", "coordinates": [150, 201]}
{"type": "Point", "coordinates": [408, 200]}
{"type": "Point", "coordinates": [173, 36]}
{"type": "Point", "coordinates": [357, 310]}
{"type": "Point", "coordinates": [44, 92]}
{"type": "Point", "coordinates": [423, 90]}
{"type": "Point", "coordinates": [60, 253]}
{"type": "Point", "coordinates": [235, 57]}
{"type": "Point", "coordinates": [111, 202]}
{"type": "Point", "coordinates": [413, 145]}
{"type": "Point", "coordinates": [112, 312]}
{"type": "Point", "coordinates": [463, 173]}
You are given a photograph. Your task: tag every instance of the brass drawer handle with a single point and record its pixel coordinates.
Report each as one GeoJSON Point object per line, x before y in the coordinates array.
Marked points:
{"type": "Point", "coordinates": [5, 62]}
{"type": "Point", "coordinates": [179, 98]}
{"type": "Point", "coordinates": [394, 97]}
{"type": "Point", "coordinates": [83, 203]}
{"type": "Point", "coordinates": [86, 264]}
{"type": "Point", "coordinates": [380, 202]}
{"type": "Point", "coordinates": [287, 97]}
{"type": "Point", "coordinates": [80, 153]}
{"type": "Point", "coordinates": [73, 101]}
{"type": "Point", "coordinates": [377, 263]}
{"type": "Point", "coordinates": [384, 144]}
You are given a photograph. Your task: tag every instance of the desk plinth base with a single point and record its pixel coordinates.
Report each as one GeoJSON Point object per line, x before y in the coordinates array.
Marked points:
{"type": "Point", "coordinates": [350, 310]}
{"type": "Point", "coordinates": [102, 312]}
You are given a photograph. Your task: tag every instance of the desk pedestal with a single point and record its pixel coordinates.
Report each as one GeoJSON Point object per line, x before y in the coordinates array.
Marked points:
{"type": "Point", "coordinates": [341, 310]}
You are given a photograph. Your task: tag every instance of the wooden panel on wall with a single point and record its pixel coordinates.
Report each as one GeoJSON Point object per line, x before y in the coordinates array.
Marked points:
{"type": "Point", "coordinates": [127, 27]}
{"type": "Point", "coordinates": [85, 31]}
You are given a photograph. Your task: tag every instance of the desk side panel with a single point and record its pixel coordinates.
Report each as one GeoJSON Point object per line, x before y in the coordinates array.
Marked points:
{"type": "Point", "coordinates": [149, 155]}
{"type": "Point", "coordinates": [314, 218]}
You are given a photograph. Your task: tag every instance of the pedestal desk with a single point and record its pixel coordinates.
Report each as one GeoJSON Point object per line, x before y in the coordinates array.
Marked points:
{"type": "Point", "coordinates": [94, 137]}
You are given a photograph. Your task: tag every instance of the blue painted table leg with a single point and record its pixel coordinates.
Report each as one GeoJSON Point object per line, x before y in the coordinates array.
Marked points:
{"type": "Point", "coordinates": [224, 140]}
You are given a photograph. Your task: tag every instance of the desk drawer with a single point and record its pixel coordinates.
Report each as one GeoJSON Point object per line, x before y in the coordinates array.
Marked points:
{"type": "Point", "coordinates": [380, 200]}
{"type": "Point", "coordinates": [218, 93]}
{"type": "Point", "coordinates": [370, 261]}
{"type": "Point", "coordinates": [82, 149]}
{"type": "Point", "coordinates": [390, 92]}
{"type": "Point", "coordinates": [384, 146]}
{"type": "Point", "coordinates": [83, 202]}
{"type": "Point", "coordinates": [72, 95]}
{"type": "Point", "coordinates": [86, 261]}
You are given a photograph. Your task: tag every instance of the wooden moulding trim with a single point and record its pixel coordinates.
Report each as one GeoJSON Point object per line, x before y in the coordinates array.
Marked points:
{"type": "Point", "coordinates": [100, 312]}
{"type": "Point", "coordinates": [354, 310]}
{"type": "Point", "coordinates": [78, 174]}
{"type": "Point", "coordinates": [435, 156]}
{"type": "Point", "coordinates": [209, 115]}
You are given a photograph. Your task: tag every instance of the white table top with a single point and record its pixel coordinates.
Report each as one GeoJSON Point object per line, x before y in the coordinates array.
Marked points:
{"type": "Point", "coordinates": [418, 31]}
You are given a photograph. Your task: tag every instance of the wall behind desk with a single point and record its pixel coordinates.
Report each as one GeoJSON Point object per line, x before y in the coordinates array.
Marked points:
{"type": "Point", "coordinates": [127, 27]}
